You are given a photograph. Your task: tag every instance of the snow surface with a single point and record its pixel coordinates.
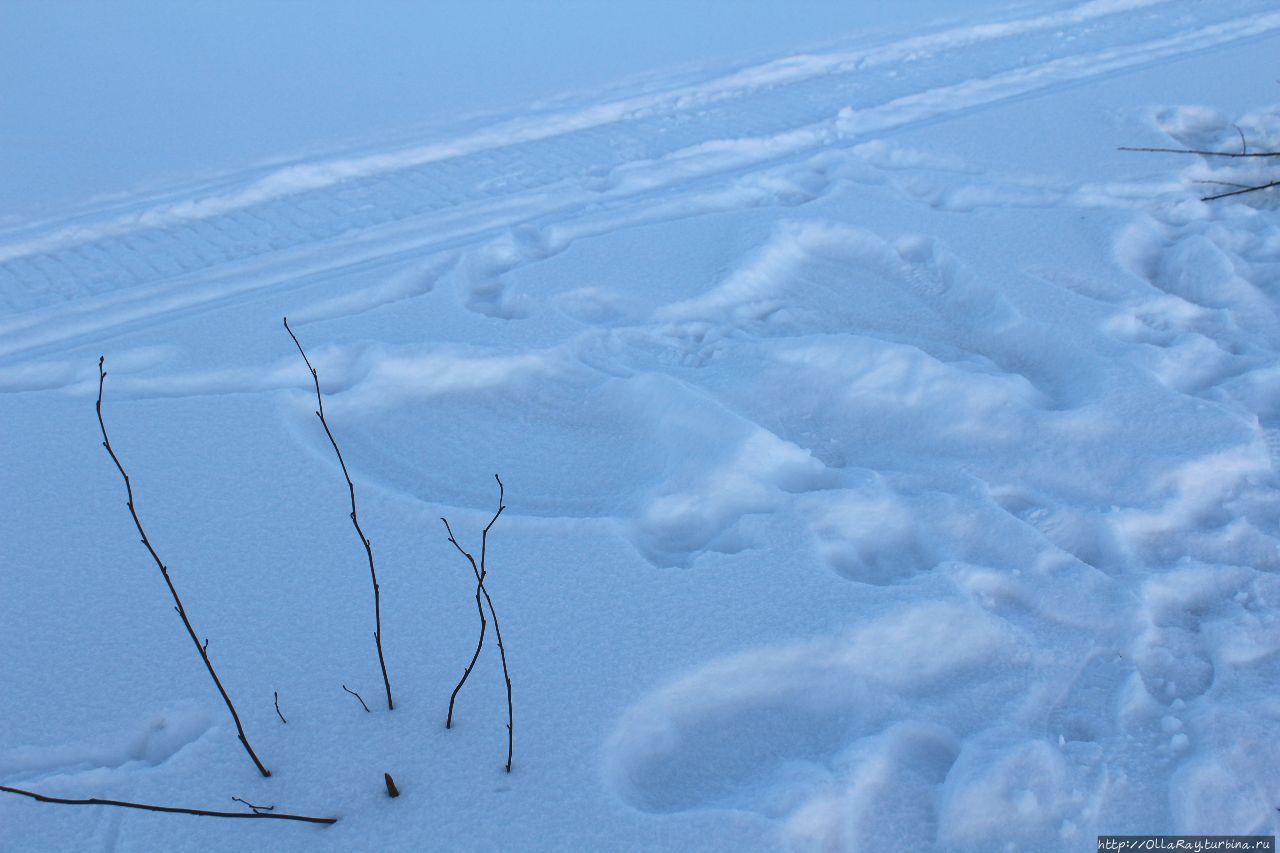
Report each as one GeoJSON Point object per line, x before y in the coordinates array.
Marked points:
{"type": "Point", "coordinates": [890, 462]}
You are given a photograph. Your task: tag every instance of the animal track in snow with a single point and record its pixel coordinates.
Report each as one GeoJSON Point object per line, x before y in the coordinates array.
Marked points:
{"type": "Point", "coordinates": [1091, 537]}
{"type": "Point", "coordinates": [150, 745]}
{"type": "Point", "coordinates": [407, 283]}
{"type": "Point", "coordinates": [436, 423]}
{"type": "Point", "coordinates": [816, 733]}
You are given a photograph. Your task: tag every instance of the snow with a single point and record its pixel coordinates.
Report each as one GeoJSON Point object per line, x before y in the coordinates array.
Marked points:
{"type": "Point", "coordinates": [890, 461]}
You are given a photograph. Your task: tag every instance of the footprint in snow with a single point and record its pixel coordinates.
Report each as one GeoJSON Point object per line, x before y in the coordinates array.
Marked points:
{"type": "Point", "coordinates": [151, 744]}
{"type": "Point", "coordinates": [846, 742]}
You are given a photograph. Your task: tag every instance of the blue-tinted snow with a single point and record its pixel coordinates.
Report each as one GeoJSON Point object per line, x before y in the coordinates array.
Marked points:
{"type": "Point", "coordinates": [889, 461]}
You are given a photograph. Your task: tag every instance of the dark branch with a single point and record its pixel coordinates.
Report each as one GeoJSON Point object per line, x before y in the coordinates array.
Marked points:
{"type": "Point", "coordinates": [278, 714]}
{"type": "Point", "coordinates": [256, 809]}
{"type": "Point", "coordinates": [169, 809]}
{"type": "Point", "coordinates": [364, 540]}
{"type": "Point", "coordinates": [497, 631]}
{"type": "Point", "coordinates": [358, 696]}
{"type": "Point", "coordinates": [1201, 152]}
{"type": "Point", "coordinates": [1227, 184]}
{"type": "Point", "coordinates": [466, 673]}
{"type": "Point", "coordinates": [1244, 152]}
{"type": "Point", "coordinates": [164, 571]}
{"type": "Point", "coordinates": [480, 573]}
{"type": "Point", "coordinates": [1242, 192]}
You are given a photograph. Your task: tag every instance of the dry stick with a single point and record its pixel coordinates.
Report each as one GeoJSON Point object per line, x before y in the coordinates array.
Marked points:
{"type": "Point", "coordinates": [497, 631]}
{"type": "Point", "coordinates": [278, 714]}
{"type": "Point", "coordinates": [1200, 152]}
{"type": "Point", "coordinates": [1243, 153]}
{"type": "Point", "coordinates": [368, 547]}
{"type": "Point", "coordinates": [1227, 184]}
{"type": "Point", "coordinates": [358, 696]}
{"type": "Point", "coordinates": [191, 632]}
{"type": "Point", "coordinates": [170, 809]}
{"type": "Point", "coordinates": [479, 575]}
{"type": "Point", "coordinates": [448, 723]}
{"type": "Point", "coordinates": [255, 808]}
{"type": "Point", "coordinates": [1242, 192]}
{"type": "Point", "coordinates": [1244, 146]}
{"type": "Point", "coordinates": [480, 572]}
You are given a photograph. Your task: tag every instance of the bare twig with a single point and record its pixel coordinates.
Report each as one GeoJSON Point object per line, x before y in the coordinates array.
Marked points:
{"type": "Point", "coordinates": [448, 723]}
{"type": "Point", "coordinates": [364, 540]}
{"type": "Point", "coordinates": [480, 571]}
{"type": "Point", "coordinates": [170, 809]}
{"type": "Point", "coordinates": [1201, 152]}
{"type": "Point", "coordinates": [278, 714]}
{"type": "Point", "coordinates": [358, 696]}
{"type": "Point", "coordinates": [256, 809]}
{"type": "Point", "coordinates": [1242, 192]}
{"type": "Point", "coordinates": [1244, 152]}
{"type": "Point", "coordinates": [1226, 184]}
{"type": "Point", "coordinates": [164, 571]}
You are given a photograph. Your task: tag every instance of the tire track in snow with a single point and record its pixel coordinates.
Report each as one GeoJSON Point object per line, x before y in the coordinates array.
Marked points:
{"type": "Point", "coordinates": [313, 217]}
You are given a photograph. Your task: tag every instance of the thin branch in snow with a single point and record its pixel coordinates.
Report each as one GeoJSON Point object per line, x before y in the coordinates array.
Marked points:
{"type": "Point", "coordinates": [1201, 152]}
{"type": "Point", "coordinates": [364, 540]}
{"type": "Point", "coordinates": [1242, 192]}
{"type": "Point", "coordinates": [164, 571]}
{"type": "Point", "coordinates": [278, 714]}
{"type": "Point", "coordinates": [256, 809]}
{"type": "Point", "coordinates": [480, 571]}
{"type": "Point", "coordinates": [1227, 184]}
{"type": "Point", "coordinates": [448, 723]}
{"type": "Point", "coordinates": [94, 801]}
{"type": "Point", "coordinates": [1242, 189]}
{"type": "Point", "coordinates": [358, 696]}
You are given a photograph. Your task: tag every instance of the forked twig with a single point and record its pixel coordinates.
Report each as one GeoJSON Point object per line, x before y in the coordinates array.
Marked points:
{"type": "Point", "coordinates": [480, 572]}
{"type": "Point", "coordinates": [94, 801]}
{"type": "Point", "coordinates": [256, 809]}
{"type": "Point", "coordinates": [1244, 152]}
{"type": "Point", "coordinates": [480, 588]}
{"type": "Point", "coordinates": [164, 571]}
{"type": "Point", "coordinates": [364, 540]}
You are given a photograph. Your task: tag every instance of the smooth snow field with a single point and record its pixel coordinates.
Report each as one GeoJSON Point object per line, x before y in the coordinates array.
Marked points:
{"type": "Point", "coordinates": [890, 462]}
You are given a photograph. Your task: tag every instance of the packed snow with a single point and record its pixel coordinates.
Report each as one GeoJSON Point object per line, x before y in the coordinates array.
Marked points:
{"type": "Point", "coordinates": [890, 461]}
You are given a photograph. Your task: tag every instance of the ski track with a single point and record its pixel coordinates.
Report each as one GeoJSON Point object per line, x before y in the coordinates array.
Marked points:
{"type": "Point", "coordinates": [113, 268]}
{"type": "Point", "coordinates": [977, 714]}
